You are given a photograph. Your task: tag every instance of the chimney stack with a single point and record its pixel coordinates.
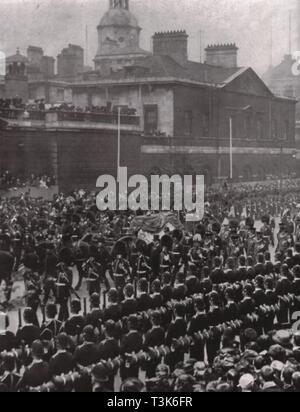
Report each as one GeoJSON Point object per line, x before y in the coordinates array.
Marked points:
{"type": "Point", "coordinates": [222, 55]}
{"type": "Point", "coordinates": [173, 44]}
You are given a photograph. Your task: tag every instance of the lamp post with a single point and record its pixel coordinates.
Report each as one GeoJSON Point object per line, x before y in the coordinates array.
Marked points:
{"type": "Point", "coordinates": [237, 110]}
{"type": "Point", "coordinates": [231, 146]}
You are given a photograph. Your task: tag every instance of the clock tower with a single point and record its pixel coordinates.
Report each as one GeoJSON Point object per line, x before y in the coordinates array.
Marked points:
{"type": "Point", "coordinates": [118, 38]}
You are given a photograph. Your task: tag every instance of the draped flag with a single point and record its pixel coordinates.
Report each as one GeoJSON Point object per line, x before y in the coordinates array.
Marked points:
{"type": "Point", "coordinates": [155, 223]}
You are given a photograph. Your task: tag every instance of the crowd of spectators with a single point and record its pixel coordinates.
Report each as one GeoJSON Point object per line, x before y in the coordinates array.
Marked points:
{"type": "Point", "coordinates": [208, 308]}
{"type": "Point", "coordinates": [9, 181]}
{"type": "Point", "coordinates": [40, 105]}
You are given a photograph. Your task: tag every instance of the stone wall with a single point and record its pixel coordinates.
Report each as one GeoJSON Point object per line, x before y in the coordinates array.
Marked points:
{"type": "Point", "coordinates": [76, 157]}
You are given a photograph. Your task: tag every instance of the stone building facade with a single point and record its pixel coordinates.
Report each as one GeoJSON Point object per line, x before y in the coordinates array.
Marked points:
{"type": "Point", "coordinates": [181, 109]}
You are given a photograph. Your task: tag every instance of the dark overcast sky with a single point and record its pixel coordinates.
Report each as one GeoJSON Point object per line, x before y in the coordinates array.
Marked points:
{"type": "Point", "coordinates": [53, 24]}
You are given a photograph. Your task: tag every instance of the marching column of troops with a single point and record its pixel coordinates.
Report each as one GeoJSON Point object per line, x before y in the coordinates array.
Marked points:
{"type": "Point", "coordinates": [207, 308]}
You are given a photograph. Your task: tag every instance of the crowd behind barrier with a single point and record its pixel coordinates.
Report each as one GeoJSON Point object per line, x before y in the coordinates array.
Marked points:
{"type": "Point", "coordinates": [210, 308]}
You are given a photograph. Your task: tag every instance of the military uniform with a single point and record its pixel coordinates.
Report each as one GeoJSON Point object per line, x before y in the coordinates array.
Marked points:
{"type": "Point", "coordinates": [176, 330]}
{"type": "Point", "coordinates": [198, 323]}
{"type": "Point", "coordinates": [129, 307]}
{"type": "Point", "coordinates": [144, 302]}
{"type": "Point", "coordinates": [113, 312]}
{"type": "Point", "coordinates": [131, 343]}
{"type": "Point", "coordinates": [143, 268]}
{"type": "Point", "coordinates": [53, 325]}
{"type": "Point", "coordinates": [94, 317]}
{"type": "Point", "coordinates": [155, 337]}
{"type": "Point", "coordinates": [86, 354]}
{"type": "Point", "coordinates": [10, 380]}
{"type": "Point", "coordinates": [35, 375]}
{"type": "Point", "coordinates": [121, 270]}
{"type": "Point", "coordinates": [61, 363]}
{"type": "Point", "coordinates": [28, 334]}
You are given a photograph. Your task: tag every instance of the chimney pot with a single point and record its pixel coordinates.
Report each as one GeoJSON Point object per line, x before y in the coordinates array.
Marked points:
{"type": "Point", "coordinates": [172, 43]}
{"type": "Point", "coordinates": [222, 55]}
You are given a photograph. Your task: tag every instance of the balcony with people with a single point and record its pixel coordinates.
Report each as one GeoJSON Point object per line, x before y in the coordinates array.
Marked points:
{"type": "Point", "coordinates": [65, 114]}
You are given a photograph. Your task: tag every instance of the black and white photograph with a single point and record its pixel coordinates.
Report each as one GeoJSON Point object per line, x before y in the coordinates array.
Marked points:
{"type": "Point", "coordinates": [149, 198]}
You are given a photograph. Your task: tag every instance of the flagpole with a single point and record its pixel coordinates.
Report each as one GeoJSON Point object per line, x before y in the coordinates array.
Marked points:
{"type": "Point", "coordinates": [119, 143]}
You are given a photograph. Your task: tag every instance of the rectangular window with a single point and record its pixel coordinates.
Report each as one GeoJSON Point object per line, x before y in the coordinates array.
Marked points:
{"type": "Point", "coordinates": [151, 119]}
{"type": "Point", "coordinates": [188, 123]}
